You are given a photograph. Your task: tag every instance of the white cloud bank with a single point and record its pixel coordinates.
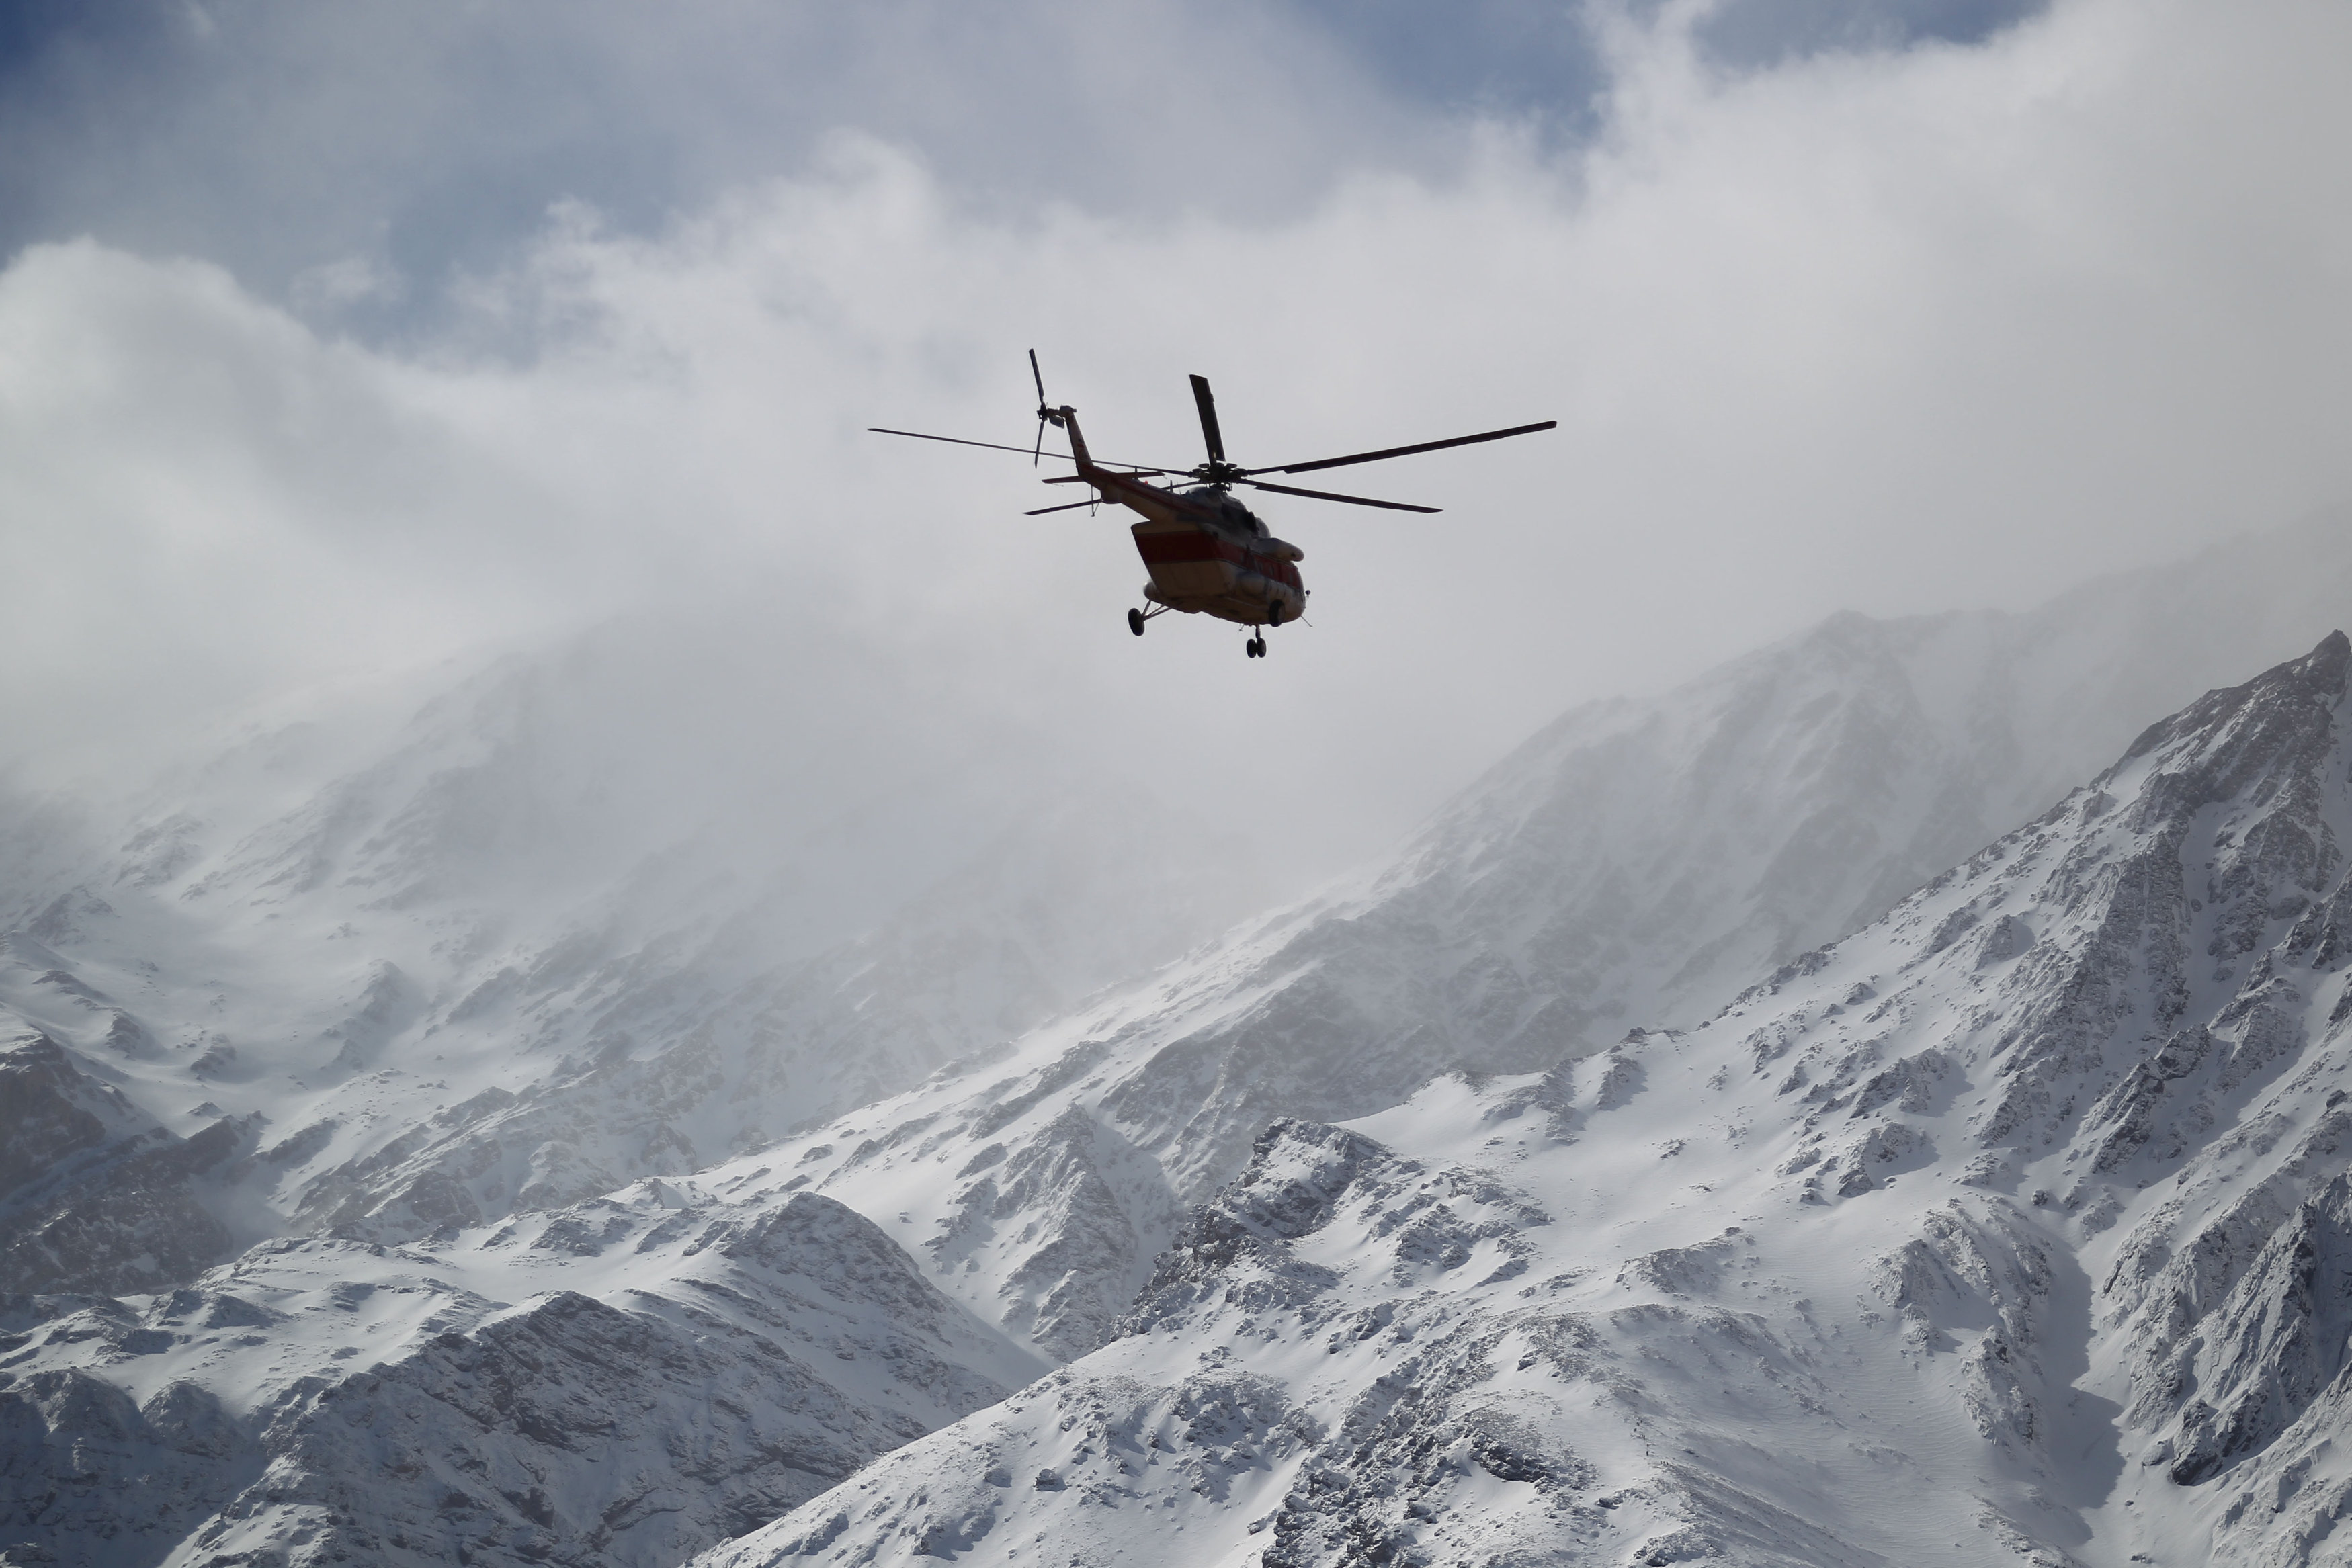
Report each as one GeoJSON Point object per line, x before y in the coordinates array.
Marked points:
{"type": "Point", "coordinates": [1899, 333]}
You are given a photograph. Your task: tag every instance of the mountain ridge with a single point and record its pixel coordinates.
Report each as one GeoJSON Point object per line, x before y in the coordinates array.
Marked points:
{"type": "Point", "coordinates": [1630, 852]}
{"type": "Point", "coordinates": [1967, 1264]}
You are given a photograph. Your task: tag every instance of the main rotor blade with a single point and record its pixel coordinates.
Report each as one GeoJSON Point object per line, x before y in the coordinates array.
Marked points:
{"type": "Point", "coordinates": [1404, 451]}
{"type": "Point", "coordinates": [1063, 507]}
{"type": "Point", "coordinates": [1130, 473]}
{"type": "Point", "coordinates": [952, 440]}
{"type": "Point", "coordinates": [1328, 495]}
{"type": "Point", "coordinates": [995, 447]}
{"type": "Point", "coordinates": [1207, 403]}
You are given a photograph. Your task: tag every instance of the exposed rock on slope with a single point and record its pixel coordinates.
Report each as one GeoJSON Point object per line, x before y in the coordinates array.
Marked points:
{"type": "Point", "coordinates": [2014, 1223]}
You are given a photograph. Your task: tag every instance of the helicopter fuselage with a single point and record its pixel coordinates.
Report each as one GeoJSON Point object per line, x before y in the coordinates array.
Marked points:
{"type": "Point", "coordinates": [1206, 552]}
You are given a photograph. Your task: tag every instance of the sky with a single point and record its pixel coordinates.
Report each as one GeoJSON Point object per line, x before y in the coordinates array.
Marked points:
{"type": "Point", "coordinates": [377, 337]}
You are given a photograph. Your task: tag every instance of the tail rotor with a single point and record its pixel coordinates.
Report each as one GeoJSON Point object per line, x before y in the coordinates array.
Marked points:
{"type": "Point", "coordinates": [1045, 415]}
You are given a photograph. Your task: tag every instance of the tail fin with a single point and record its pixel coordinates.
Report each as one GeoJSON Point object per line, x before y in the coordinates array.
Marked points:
{"type": "Point", "coordinates": [1063, 418]}
{"type": "Point", "coordinates": [1069, 421]}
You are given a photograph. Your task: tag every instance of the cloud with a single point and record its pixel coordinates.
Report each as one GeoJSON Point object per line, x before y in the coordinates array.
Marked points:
{"type": "Point", "coordinates": [1896, 330]}
{"type": "Point", "coordinates": [355, 159]}
{"type": "Point", "coordinates": [290, 142]}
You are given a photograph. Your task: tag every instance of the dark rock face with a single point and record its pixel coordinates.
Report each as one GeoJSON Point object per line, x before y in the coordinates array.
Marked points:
{"type": "Point", "coordinates": [42, 1123]}
{"type": "Point", "coordinates": [93, 1194]}
{"type": "Point", "coordinates": [2276, 1344]}
{"type": "Point", "coordinates": [573, 1433]}
{"type": "Point", "coordinates": [73, 1450]}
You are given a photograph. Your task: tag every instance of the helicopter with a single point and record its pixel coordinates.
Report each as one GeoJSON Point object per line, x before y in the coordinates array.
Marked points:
{"type": "Point", "coordinates": [1207, 553]}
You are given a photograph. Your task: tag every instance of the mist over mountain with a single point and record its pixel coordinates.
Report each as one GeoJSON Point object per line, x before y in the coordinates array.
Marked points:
{"type": "Point", "coordinates": [1631, 866]}
{"type": "Point", "coordinates": [553, 931]}
{"type": "Point", "coordinates": [418, 1040]}
{"type": "Point", "coordinates": [524, 935]}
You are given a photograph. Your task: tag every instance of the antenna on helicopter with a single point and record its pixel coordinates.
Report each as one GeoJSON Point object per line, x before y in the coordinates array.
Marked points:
{"type": "Point", "coordinates": [1045, 415]}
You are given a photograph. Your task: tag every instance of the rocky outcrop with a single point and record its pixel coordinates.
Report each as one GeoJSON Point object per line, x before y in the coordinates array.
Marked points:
{"type": "Point", "coordinates": [74, 1448]}
{"type": "Point", "coordinates": [2274, 1344]}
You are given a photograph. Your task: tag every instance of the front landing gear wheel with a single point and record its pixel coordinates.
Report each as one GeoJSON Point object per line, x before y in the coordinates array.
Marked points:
{"type": "Point", "coordinates": [1255, 647]}
{"type": "Point", "coordinates": [1135, 622]}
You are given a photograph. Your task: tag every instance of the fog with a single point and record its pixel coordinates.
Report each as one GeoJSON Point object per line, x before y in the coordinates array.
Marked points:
{"type": "Point", "coordinates": [1891, 321]}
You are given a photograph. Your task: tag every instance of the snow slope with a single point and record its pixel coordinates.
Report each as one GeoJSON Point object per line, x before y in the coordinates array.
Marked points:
{"type": "Point", "coordinates": [2011, 1227]}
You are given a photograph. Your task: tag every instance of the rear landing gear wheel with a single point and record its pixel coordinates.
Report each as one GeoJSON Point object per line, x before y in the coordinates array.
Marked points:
{"type": "Point", "coordinates": [1135, 622]}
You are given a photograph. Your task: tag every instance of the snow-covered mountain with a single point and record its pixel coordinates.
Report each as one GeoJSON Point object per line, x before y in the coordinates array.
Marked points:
{"type": "Point", "coordinates": [415, 1005]}
{"type": "Point", "coordinates": [2011, 1228]}
{"type": "Point", "coordinates": [441, 960]}
{"type": "Point", "coordinates": [425, 971]}
{"type": "Point", "coordinates": [1632, 865]}
{"type": "Point", "coordinates": [678, 1365]}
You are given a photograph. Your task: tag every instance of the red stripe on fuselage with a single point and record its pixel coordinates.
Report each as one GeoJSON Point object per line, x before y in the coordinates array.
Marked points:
{"type": "Point", "coordinates": [1189, 544]}
{"type": "Point", "coordinates": [1164, 545]}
